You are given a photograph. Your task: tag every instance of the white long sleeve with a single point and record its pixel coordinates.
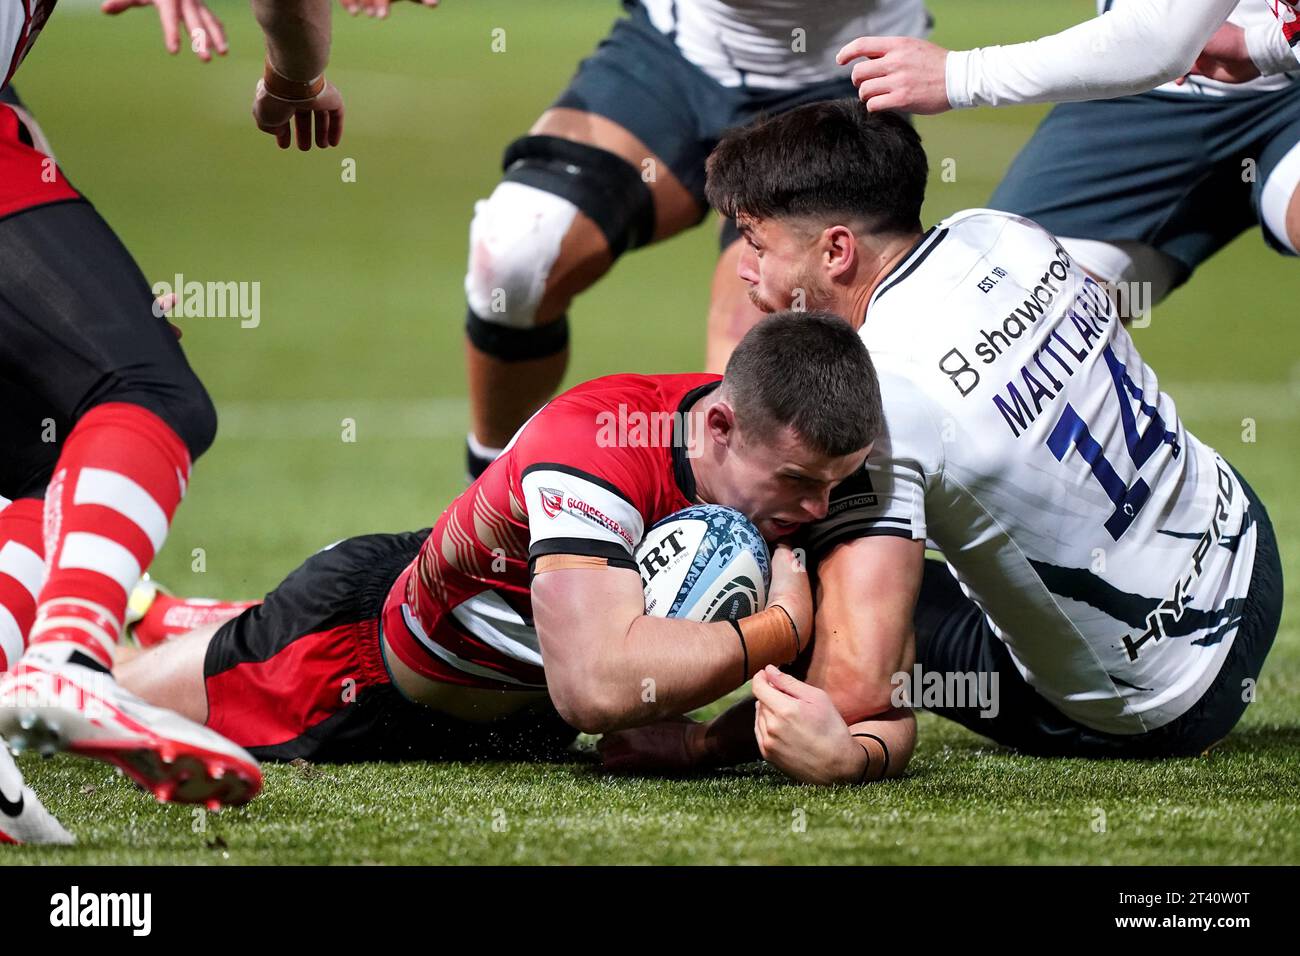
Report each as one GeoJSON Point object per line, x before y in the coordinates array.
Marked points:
{"type": "Point", "coordinates": [1269, 49]}
{"type": "Point", "coordinates": [1132, 49]}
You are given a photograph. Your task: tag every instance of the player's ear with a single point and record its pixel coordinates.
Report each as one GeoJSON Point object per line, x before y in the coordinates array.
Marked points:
{"type": "Point", "coordinates": [720, 422]}
{"type": "Point", "coordinates": [840, 250]}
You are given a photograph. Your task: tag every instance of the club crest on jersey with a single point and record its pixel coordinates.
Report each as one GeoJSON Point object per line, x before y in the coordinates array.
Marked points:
{"type": "Point", "coordinates": [1288, 14]}
{"type": "Point", "coordinates": [552, 501]}
{"type": "Point", "coordinates": [555, 500]}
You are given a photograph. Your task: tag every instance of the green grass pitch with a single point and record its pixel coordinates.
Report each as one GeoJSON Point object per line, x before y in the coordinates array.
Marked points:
{"type": "Point", "coordinates": [361, 310]}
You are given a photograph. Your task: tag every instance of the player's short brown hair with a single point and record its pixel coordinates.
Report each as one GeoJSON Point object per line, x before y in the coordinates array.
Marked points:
{"type": "Point", "coordinates": [810, 371]}
{"type": "Point", "coordinates": [831, 162]}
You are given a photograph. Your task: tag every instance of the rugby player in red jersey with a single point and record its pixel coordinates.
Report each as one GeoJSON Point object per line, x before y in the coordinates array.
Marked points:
{"type": "Point", "coordinates": [103, 420]}
{"type": "Point", "coordinates": [520, 617]}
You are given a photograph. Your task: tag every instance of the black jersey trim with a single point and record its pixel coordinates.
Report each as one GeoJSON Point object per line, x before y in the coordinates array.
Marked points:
{"type": "Point", "coordinates": [822, 546]}
{"type": "Point", "coordinates": [577, 473]}
{"type": "Point", "coordinates": [682, 472]}
{"type": "Point", "coordinates": [615, 554]}
{"type": "Point", "coordinates": [909, 263]}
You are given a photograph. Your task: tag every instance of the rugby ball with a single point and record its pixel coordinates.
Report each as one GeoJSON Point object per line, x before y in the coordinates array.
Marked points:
{"type": "Point", "coordinates": [705, 563]}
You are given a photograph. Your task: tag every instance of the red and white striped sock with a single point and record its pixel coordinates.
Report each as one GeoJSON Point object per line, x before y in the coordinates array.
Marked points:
{"type": "Point", "coordinates": [22, 571]}
{"type": "Point", "coordinates": [116, 486]}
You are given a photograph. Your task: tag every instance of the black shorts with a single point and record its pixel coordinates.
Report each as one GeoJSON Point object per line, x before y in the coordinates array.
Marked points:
{"type": "Point", "coordinates": [954, 637]}
{"type": "Point", "coordinates": [1162, 169]}
{"type": "Point", "coordinates": [303, 675]}
{"type": "Point", "coordinates": [77, 329]}
{"type": "Point", "coordinates": [639, 79]}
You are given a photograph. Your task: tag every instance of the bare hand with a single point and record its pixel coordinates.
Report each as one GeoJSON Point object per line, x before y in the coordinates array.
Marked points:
{"type": "Point", "coordinates": [377, 8]}
{"type": "Point", "coordinates": [273, 115]}
{"type": "Point", "coordinates": [1225, 57]}
{"type": "Point", "coordinates": [899, 73]}
{"type": "Point", "coordinates": [800, 732]}
{"type": "Point", "coordinates": [792, 590]}
{"type": "Point", "coordinates": [204, 29]}
{"type": "Point", "coordinates": [162, 306]}
{"type": "Point", "coordinates": [669, 746]}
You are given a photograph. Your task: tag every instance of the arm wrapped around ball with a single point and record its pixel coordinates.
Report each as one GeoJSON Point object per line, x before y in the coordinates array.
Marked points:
{"type": "Point", "coordinates": [610, 665]}
{"type": "Point", "coordinates": [768, 637]}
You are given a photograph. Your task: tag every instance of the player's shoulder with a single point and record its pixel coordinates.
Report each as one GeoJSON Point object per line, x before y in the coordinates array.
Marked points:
{"type": "Point", "coordinates": [616, 410]}
{"type": "Point", "coordinates": [976, 233]}
{"type": "Point", "coordinates": [617, 431]}
{"type": "Point", "coordinates": [648, 391]}
{"type": "Point", "coordinates": [951, 265]}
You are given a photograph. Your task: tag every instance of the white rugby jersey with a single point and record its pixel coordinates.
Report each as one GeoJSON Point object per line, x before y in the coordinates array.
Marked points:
{"type": "Point", "coordinates": [20, 23]}
{"type": "Point", "coordinates": [779, 44]}
{"type": "Point", "coordinates": [1249, 14]}
{"type": "Point", "coordinates": [1025, 437]}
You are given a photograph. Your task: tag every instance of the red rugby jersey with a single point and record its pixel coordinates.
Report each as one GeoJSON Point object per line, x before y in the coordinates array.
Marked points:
{"type": "Point", "coordinates": [588, 474]}
{"type": "Point", "coordinates": [27, 176]}
{"type": "Point", "coordinates": [1288, 16]}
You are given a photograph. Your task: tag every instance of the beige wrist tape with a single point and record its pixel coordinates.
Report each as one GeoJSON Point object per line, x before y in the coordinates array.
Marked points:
{"type": "Point", "coordinates": [567, 562]}
{"type": "Point", "coordinates": [768, 637]}
{"type": "Point", "coordinates": [291, 91]}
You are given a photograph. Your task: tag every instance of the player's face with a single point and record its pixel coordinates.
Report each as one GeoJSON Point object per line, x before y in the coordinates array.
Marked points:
{"type": "Point", "coordinates": [780, 265]}
{"type": "Point", "coordinates": [781, 484]}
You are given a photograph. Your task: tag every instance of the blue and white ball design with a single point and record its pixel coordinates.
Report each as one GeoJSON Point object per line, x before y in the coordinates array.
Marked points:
{"type": "Point", "coordinates": [705, 563]}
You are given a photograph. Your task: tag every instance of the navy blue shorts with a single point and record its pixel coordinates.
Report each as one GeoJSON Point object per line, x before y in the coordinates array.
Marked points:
{"type": "Point", "coordinates": [1183, 174]}
{"type": "Point", "coordinates": [954, 637]}
{"type": "Point", "coordinates": [639, 79]}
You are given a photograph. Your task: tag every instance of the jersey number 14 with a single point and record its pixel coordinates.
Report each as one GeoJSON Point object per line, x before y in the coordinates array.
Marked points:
{"type": "Point", "coordinates": [1071, 431]}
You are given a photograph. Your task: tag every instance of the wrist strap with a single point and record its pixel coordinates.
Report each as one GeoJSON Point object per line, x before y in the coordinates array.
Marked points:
{"type": "Point", "coordinates": [884, 770]}
{"type": "Point", "coordinates": [769, 637]}
{"type": "Point", "coordinates": [744, 650]}
{"type": "Point", "coordinates": [798, 644]}
{"type": "Point", "coordinates": [281, 87]}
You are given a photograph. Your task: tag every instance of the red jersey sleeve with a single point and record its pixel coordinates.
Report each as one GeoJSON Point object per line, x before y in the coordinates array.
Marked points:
{"type": "Point", "coordinates": [589, 485]}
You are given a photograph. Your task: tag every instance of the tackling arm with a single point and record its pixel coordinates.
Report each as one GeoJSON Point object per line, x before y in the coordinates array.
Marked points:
{"type": "Point", "coordinates": [843, 725]}
{"type": "Point", "coordinates": [1132, 49]}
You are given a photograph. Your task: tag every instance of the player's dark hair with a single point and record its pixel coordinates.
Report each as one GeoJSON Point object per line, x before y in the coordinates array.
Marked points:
{"type": "Point", "coordinates": [808, 370]}
{"type": "Point", "coordinates": [831, 161]}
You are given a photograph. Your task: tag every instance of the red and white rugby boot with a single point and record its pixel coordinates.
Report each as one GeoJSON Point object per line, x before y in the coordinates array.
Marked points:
{"type": "Point", "coordinates": [22, 818]}
{"type": "Point", "coordinates": [49, 707]}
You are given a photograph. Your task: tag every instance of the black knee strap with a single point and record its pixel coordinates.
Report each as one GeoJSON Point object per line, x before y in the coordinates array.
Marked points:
{"type": "Point", "coordinates": [607, 188]}
{"type": "Point", "coordinates": [510, 344]}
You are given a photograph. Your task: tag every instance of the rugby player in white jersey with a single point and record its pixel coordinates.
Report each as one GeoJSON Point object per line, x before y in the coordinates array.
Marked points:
{"type": "Point", "coordinates": [1109, 577]}
{"type": "Point", "coordinates": [617, 162]}
{"type": "Point", "coordinates": [1146, 187]}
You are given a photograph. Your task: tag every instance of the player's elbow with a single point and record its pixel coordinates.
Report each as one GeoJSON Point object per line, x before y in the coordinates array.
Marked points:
{"type": "Point", "coordinates": [865, 694]}
{"type": "Point", "coordinates": [588, 705]}
{"type": "Point", "coordinates": [1164, 65]}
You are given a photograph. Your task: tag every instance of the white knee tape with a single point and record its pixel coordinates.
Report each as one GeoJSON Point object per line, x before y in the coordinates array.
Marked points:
{"type": "Point", "coordinates": [514, 241]}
